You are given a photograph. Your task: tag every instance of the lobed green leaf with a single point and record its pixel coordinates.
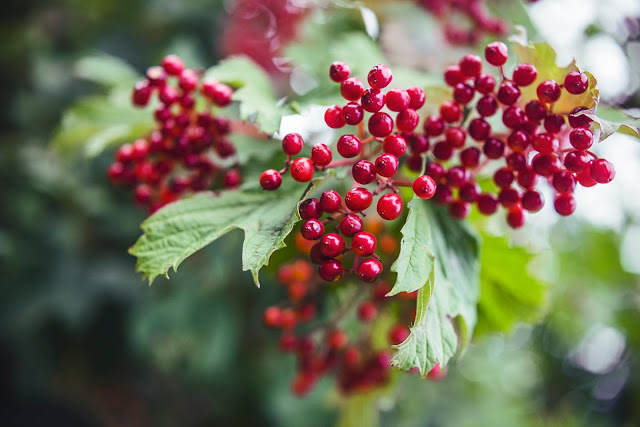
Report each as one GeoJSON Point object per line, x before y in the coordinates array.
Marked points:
{"type": "Point", "coordinates": [186, 226]}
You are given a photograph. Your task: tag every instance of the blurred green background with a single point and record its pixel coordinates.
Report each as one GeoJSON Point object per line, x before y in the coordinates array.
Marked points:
{"type": "Point", "coordinates": [84, 341]}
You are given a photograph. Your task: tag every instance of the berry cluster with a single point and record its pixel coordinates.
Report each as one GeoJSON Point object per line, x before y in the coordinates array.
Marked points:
{"type": "Point", "coordinates": [180, 155]}
{"type": "Point", "coordinates": [324, 347]}
{"type": "Point", "coordinates": [261, 28]}
{"type": "Point", "coordinates": [534, 144]}
{"type": "Point", "coordinates": [478, 21]}
{"type": "Point", "coordinates": [381, 146]}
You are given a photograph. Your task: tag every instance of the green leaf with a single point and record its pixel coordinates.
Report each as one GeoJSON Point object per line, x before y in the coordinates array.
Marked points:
{"type": "Point", "coordinates": [254, 91]}
{"type": "Point", "coordinates": [543, 57]}
{"type": "Point", "coordinates": [184, 227]}
{"type": "Point", "coordinates": [611, 120]}
{"type": "Point", "coordinates": [415, 262]}
{"type": "Point", "coordinates": [508, 292]}
{"type": "Point", "coordinates": [106, 70]}
{"type": "Point", "coordinates": [446, 306]}
{"type": "Point", "coordinates": [98, 122]}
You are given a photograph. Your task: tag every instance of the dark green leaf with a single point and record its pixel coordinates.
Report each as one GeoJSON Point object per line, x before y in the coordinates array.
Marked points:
{"type": "Point", "coordinates": [184, 227]}
{"type": "Point", "coordinates": [446, 306]}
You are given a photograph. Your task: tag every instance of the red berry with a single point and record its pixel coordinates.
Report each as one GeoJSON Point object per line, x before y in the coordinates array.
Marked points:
{"type": "Point", "coordinates": [302, 169]}
{"type": "Point", "coordinates": [484, 83]}
{"type": "Point", "coordinates": [546, 164]}
{"type": "Point", "coordinates": [414, 162]}
{"type": "Point", "coordinates": [333, 117]}
{"type": "Point", "coordinates": [379, 77]}
{"type": "Point", "coordinates": [513, 117]}
{"type": "Point", "coordinates": [577, 161]}
{"type": "Point", "coordinates": [350, 225]}
{"type": "Point", "coordinates": [272, 317]}
{"type": "Point", "coordinates": [548, 91]}
{"type": "Point", "coordinates": [459, 210]}
{"type": "Point", "coordinates": [316, 255]}
{"type": "Point", "coordinates": [321, 155]}
{"type": "Point", "coordinates": [332, 245]}
{"type": "Point", "coordinates": [469, 192]}
{"type": "Point", "coordinates": [487, 204]}
{"type": "Point", "coordinates": [565, 204]}
{"type": "Point", "coordinates": [331, 270]}
{"type": "Point", "coordinates": [535, 110]}
{"type": "Point", "coordinates": [581, 138]}
{"type": "Point", "coordinates": [330, 201]}
{"type": "Point", "coordinates": [463, 93]}
{"type": "Point", "coordinates": [602, 171]}
{"type": "Point", "coordinates": [453, 75]}
{"type": "Point", "coordinates": [363, 172]}
{"type": "Point", "coordinates": [337, 339]}
{"type": "Point", "coordinates": [373, 100]}
{"type": "Point", "coordinates": [188, 80]}
{"type": "Point", "coordinates": [173, 65]}
{"type": "Point", "coordinates": [470, 157]}
{"type": "Point", "coordinates": [367, 311]}
{"type": "Point", "coordinates": [143, 194]}
{"type": "Point", "coordinates": [496, 53]}
{"type": "Point", "coordinates": [398, 334]}
{"type": "Point", "coordinates": [508, 93]}
{"type": "Point", "coordinates": [479, 129]}
{"type": "Point", "coordinates": [369, 270]}
{"type": "Point", "coordinates": [417, 97]}
{"type": "Point", "coordinates": [424, 186]}
{"type": "Point", "coordinates": [353, 113]}
{"type": "Point", "coordinates": [395, 144]}
{"type": "Point", "coordinates": [312, 229]}
{"type": "Point", "coordinates": [503, 178]}
{"type": "Point", "coordinates": [508, 197]}
{"type": "Point", "coordinates": [398, 99]}
{"type": "Point", "coordinates": [532, 200]}
{"type": "Point", "coordinates": [515, 217]}
{"type": "Point", "coordinates": [348, 146]}
{"type": "Point", "coordinates": [310, 208]}
{"type": "Point", "coordinates": [518, 141]}
{"type": "Point", "coordinates": [380, 125]}
{"type": "Point", "coordinates": [470, 65]}
{"type": "Point", "coordinates": [456, 176]}
{"type": "Point", "coordinates": [455, 137]}
{"type": "Point", "coordinates": [435, 170]}
{"type": "Point", "coordinates": [141, 93]}
{"type": "Point", "coordinates": [576, 82]}
{"type": "Point", "coordinates": [545, 143]}
{"type": "Point", "coordinates": [433, 126]}
{"type": "Point", "coordinates": [288, 343]}
{"type": "Point", "coordinates": [442, 150]}
{"type": "Point", "coordinates": [358, 199]}
{"type": "Point", "coordinates": [363, 244]}
{"type": "Point", "coordinates": [564, 181]}
{"type": "Point", "coordinates": [390, 206]}
{"type": "Point", "coordinates": [493, 148]}
{"type": "Point", "coordinates": [231, 179]}
{"type": "Point", "coordinates": [524, 74]}
{"type": "Point", "coordinates": [527, 178]}
{"type": "Point", "coordinates": [585, 179]}
{"type": "Point", "coordinates": [338, 71]}
{"type": "Point", "coordinates": [351, 89]}
{"type": "Point", "coordinates": [292, 144]}
{"type": "Point", "coordinates": [270, 179]}
{"type": "Point", "coordinates": [579, 121]}
{"type": "Point", "coordinates": [156, 76]}
{"type": "Point", "coordinates": [386, 165]}
{"type": "Point", "coordinates": [487, 106]}
{"type": "Point", "coordinates": [407, 120]}
{"type": "Point", "coordinates": [450, 112]}
{"type": "Point", "coordinates": [436, 373]}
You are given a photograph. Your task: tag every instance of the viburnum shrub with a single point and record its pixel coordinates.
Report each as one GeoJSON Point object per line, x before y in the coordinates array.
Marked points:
{"type": "Point", "coordinates": [366, 201]}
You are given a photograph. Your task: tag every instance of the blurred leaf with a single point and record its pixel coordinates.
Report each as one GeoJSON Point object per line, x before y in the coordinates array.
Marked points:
{"type": "Point", "coordinates": [611, 120]}
{"type": "Point", "coordinates": [359, 410]}
{"type": "Point", "coordinates": [106, 70]}
{"type": "Point", "coordinates": [415, 263]}
{"type": "Point", "coordinates": [254, 91]}
{"type": "Point", "coordinates": [446, 307]}
{"type": "Point", "coordinates": [184, 227]}
{"type": "Point", "coordinates": [513, 12]}
{"type": "Point", "coordinates": [508, 293]}
{"type": "Point", "coordinates": [97, 122]}
{"type": "Point", "coordinates": [543, 57]}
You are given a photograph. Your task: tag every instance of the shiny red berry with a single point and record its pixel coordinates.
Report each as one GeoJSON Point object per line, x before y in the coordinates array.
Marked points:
{"type": "Point", "coordinates": [350, 225]}
{"type": "Point", "coordinates": [348, 146]}
{"type": "Point", "coordinates": [338, 71]}
{"type": "Point", "coordinates": [379, 77]}
{"type": "Point", "coordinates": [363, 244]}
{"type": "Point", "coordinates": [332, 245]}
{"type": "Point", "coordinates": [330, 201]}
{"type": "Point", "coordinates": [548, 91]}
{"type": "Point", "coordinates": [321, 155]}
{"type": "Point", "coordinates": [380, 125]}
{"type": "Point", "coordinates": [312, 229]}
{"type": "Point", "coordinates": [351, 89]}
{"type": "Point", "coordinates": [292, 144]}
{"type": "Point", "coordinates": [369, 270]}
{"type": "Point", "coordinates": [424, 186]}
{"type": "Point", "coordinates": [524, 74]}
{"type": "Point", "coordinates": [358, 199]}
{"type": "Point", "coordinates": [496, 53]}
{"type": "Point", "coordinates": [565, 204]}
{"type": "Point", "coordinates": [576, 82]}
{"type": "Point", "coordinates": [602, 171]}
{"type": "Point", "coordinates": [331, 270]}
{"type": "Point", "coordinates": [390, 206]}
{"type": "Point", "coordinates": [270, 179]}
{"type": "Point", "coordinates": [302, 169]}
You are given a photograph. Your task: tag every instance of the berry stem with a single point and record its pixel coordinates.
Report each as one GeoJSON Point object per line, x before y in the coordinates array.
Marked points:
{"type": "Point", "coordinates": [340, 163]}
